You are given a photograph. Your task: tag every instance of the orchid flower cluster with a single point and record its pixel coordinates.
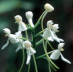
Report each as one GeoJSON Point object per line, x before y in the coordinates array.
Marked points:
{"type": "Point", "coordinates": [48, 34]}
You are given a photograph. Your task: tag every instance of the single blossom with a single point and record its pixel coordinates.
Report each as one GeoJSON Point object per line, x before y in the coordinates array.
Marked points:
{"type": "Point", "coordinates": [47, 33]}
{"type": "Point", "coordinates": [29, 16]}
{"type": "Point", "coordinates": [53, 33]}
{"type": "Point", "coordinates": [20, 44]}
{"type": "Point", "coordinates": [48, 7]}
{"type": "Point", "coordinates": [21, 24]}
{"type": "Point", "coordinates": [29, 49]}
{"type": "Point", "coordinates": [50, 32]}
{"type": "Point", "coordinates": [13, 38]}
{"type": "Point", "coordinates": [57, 53]}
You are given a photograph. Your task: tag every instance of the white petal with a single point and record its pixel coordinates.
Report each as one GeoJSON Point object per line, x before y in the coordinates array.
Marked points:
{"type": "Point", "coordinates": [51, 38]}
{"type": "Point", "coordinates": [6, 30]}
{"type": "Point", "coordinates": [28, 59]}
{"type": "Point", "coordinates": [55, 37]}
{"type": "Point", "coordinates": [5, 44]}
{"type": "Point", "coordinates": [22, 27]}
{"type": "Point", "coordinates": [58, 39]}
{"type": "Point", "coordinates": [55, 27]}
{"type": "Point", "coordinates": [60, 45]}
{"type": "Point", "coordinates": [18, 34]}
{"type": "Point", "coordinates": [46, 33]}
{"type": "Point", "coordinates": [13, 38]}
{"type": "Point", "coordinates": [55, 55]}
{"type": "Point", "coordinates": [32, 51]}
{"type": "Point", "coordinates": [64, 59]}
{"type": "Point", "coordinates": [19, 47]}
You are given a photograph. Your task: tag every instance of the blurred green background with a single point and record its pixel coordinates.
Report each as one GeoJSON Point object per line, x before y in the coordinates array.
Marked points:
{"type": "Point", "coordinates": [63, 15]}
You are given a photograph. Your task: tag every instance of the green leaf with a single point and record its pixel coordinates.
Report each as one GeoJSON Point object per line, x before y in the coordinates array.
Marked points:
{"type": "Point", "coordinates": [6, 6]}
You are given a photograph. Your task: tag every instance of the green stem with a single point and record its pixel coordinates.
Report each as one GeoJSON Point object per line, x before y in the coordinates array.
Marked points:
{"type": "Point", "coordinates": [43, 19]}
{"type": "Point", "coordinates": [43, 55]}
{"type": "Point", "coordinates": [50, 45]}
{"type": "Point", "coordinates": [35, 63]}
{"type": "Point", "coordinates": [37, 23]}
{"type": "Point", "coordinates": [46, 45]}
{"type": "Point", "coordinates": [52, 67]}
{"type": "Point", "coordinates": [29, 67]}
{"type": "Point", "coordinates": [22, 61]}
{"type": "Point", "coordinates": [39, 33]}
{"type": "Point", "coordinates": [48, 58]}
{"type": "Point", "coordinates": [26, 34]}
{"type": "Point", "coordinates": [33, 38]}
{"type": "Point", "coordinates": [49, 67]}
{"type": "Point", "coordinates": [39, 42]}
{"type": "Point", "coordinates": [25, 39]}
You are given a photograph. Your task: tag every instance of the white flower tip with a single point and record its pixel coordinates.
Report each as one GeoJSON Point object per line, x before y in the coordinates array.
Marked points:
{"type": "Point", "coordinates": [60, 45]}
{"type": "Point", "coordinates": [64, 59]}
{"type": "Point", "coordinates": [6, 30]}
{"type": "Point", "coordinates": [27, 44]}
{"type": "Point", "coordinates": [32, 51]}
{"type": "Point", "coordinates": [29, 15]}
{"type": "Point", "coordinates": [55, 26]}
{"type": "Point", "coordinates": [48, 7]}
{"type": "Point", "coordinates": [28, 59]}
{"type": "Point", "coordinates": [49, 22]}
{"type": "Point", "coordinates": [18, 18]}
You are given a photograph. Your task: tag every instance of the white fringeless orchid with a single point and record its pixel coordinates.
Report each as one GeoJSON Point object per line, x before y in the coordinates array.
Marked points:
{"type": "Point", "coordinates": [21, 24]}
{"type": "Point", "coordinates": [50, 32]}
{"type": "Point", "coordinates": [29, 16]}
{"type": "Point", "coordinates": [13, 38]}
{"type": "Point", "coordinates": [47, 33]}
{"type": "Point", "coordinates": [53, 33]}
{"type": "Point", "coordinates": [30, 50]}
{"type": "Point", "coordinates": [18, 34]}
{"type": "Point", "coordinates": [57, 53]}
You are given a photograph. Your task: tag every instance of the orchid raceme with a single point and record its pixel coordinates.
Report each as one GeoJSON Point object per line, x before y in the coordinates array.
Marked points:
{"type": "Point", "coordinates": [31, 40]}
{"type": "Point", "coordinates": [29, 16]}
{"type": "Point", "coordinates": [13, 38]}
{"type": "Point", "coordinates": [21, 24]}
{"type": "Point", "coordinates": [30, 50]}
{"type": "Point", "coordinates": [57, 53]}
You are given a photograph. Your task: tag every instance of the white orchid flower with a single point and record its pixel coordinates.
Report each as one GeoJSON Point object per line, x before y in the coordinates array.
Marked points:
{"type": "Point", "coordinates": [21, 24]}
{"type": "Point", "coordinates": [47, 32]}
{"type": "Point", "coordinates": [30, 50]}
{"type": "Point", "coordinates": [53, 33]}
{"type": "Point", "coordinates": [20, 44]}
{"type": "Point", "coordinates": [50, 32]}
{"type": "Point", "coordinates": [29, 16]}
{"type": "Point", "coordinates": [57, 53]}
{"type": "Point", "coordinates": [11, 37]}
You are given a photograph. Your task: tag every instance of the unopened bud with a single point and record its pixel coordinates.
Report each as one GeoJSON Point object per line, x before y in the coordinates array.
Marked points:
{"type": "Point", "coordinates": [48, 7]}
{"type": "Point", "coordinates": [29, 14]}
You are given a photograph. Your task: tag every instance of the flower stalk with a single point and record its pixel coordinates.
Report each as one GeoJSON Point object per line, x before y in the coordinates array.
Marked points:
{"type": "Point", "coordinates": [23, 59]}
